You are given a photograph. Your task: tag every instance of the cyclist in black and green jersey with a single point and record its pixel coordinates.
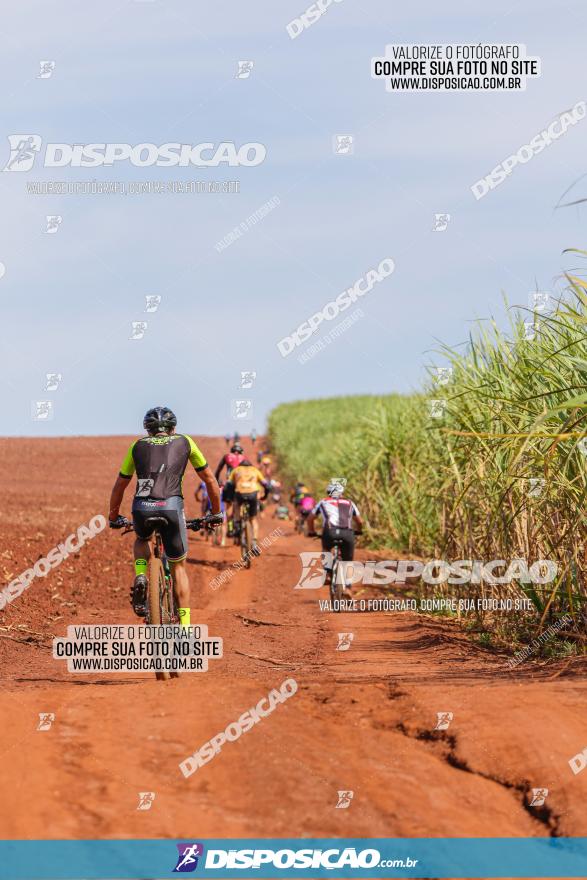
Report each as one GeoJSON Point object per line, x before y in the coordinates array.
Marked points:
{"type": "Point", "coordinates": [159, 461]}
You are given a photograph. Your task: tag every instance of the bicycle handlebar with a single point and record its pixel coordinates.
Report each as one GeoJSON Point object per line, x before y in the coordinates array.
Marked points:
{"type": "Point", "coordinates": [195, 525]}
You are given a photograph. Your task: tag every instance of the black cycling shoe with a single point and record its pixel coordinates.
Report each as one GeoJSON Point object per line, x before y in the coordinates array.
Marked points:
{"type": "Point", "coordinates": [138, 595]}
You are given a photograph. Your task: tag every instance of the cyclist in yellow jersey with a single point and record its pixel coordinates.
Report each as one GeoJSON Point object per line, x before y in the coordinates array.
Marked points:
{"type": "Point", "coordinates": [248, 482]}
{"type": "Point", "coordinates": [159, 461]}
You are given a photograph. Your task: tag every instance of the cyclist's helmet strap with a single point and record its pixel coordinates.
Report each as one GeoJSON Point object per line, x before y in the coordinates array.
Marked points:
{"type": "Point", "coordinates": [159, 419]}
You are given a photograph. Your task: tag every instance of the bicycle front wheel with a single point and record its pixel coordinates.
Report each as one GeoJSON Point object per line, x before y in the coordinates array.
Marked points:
{"type": "Point", "coordinates": [336, 584]}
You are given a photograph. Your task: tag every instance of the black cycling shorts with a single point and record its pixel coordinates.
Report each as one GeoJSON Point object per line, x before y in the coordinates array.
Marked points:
{"type": "Point", "coordinates": [250, 498]}
{"type": "Point", "coordinates": [170, 524]}
{"type": "Point", "coordinates": [228, 492]}
{"type": "Point", "coordinates": [344, 537]}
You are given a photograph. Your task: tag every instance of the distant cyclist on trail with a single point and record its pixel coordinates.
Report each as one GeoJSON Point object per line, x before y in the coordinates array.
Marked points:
{"type": "Point", "coordinates": [229, 461]}
{"type": "Point", "coordinates": [159, 461]}
{"type": "Point", "coordinates": [337, 515]}
{"type": "Point", "coordinates": [248, 481]}
{"type": "Point", "coordinates": [300, 491]}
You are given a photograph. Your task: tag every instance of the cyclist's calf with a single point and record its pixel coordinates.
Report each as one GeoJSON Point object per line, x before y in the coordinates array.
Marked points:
{"type": "Point", "coordinates": [182, 583]}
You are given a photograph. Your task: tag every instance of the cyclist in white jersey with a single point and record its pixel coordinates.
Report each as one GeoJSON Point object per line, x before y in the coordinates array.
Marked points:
{"type": "Point", "coordinates": [337, 515]}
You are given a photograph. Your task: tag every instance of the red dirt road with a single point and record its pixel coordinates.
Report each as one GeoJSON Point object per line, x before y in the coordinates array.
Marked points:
{"type": "Point", "coordinates": [361, 720]}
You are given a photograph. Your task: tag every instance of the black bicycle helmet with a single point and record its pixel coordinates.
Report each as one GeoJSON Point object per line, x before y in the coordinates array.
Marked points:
{"type": "Point", "coordinates": [236, 447]}
{"type": "Point", "coordinates": [159, 419]}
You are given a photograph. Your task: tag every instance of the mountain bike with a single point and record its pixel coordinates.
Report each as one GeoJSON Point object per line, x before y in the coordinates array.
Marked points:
{"type": "Point", "coordinates": [161, 603]}
{"type": "Point", "coordinates": [300, 522]}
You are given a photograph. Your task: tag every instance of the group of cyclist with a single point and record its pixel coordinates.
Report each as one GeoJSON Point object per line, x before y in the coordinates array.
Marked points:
{"type": "Point", "coordinates": [159, 461]}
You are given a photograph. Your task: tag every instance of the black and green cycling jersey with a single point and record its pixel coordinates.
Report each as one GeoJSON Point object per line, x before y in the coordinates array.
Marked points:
{"type": "Point", "coordinates": [159, 463]}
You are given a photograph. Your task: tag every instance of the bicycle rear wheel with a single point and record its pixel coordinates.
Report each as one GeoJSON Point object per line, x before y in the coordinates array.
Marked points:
{"type": "Point", "coordinates": [246, 542]}
{"type": "Point", "coordinates": [336, 584]}
{"type": "Point", "coordinates": [157, 593]}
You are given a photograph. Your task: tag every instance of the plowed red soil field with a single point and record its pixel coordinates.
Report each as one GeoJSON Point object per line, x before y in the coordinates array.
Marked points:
{"type": "Point", "coordinates": [362, 720]}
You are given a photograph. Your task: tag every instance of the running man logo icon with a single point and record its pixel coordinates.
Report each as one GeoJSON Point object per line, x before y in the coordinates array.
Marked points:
{"type": "Point", "coordinates": [539, 795]}
{"type": "Point", "coordinates": [313, 574]}
{"type": "Point", "coordinates": [530, 330]}
{"type": "Point", "coordinates": [146, 799]}
{"type": "Point", "coordinates": [436, 408]}
{"type": "Point", "coordinates": [52, 381]}
{"type": "Point", "coordinates": [248, 378]}
{"type": "Point", "coordinates": [245, 69]}
{"type": "Point", "coordinates": [539, 301]}
{"type": "Point", "coordinates": [344, 641]}
{"type": "Point", "coordinates": [187, 860]}
{"type": "Point", "coordinates": [536, 486]}
{"type": "Point", "coordinates": [343, 144]}
{"type": "Point", "coordinates": [344, 800]}
{"type": "Point", "coordinates": [152, 303]}
{"type": "Point", "coordinates": [444, 719]}
{"type": "Point", "coordinates": [53, 223]}
{"type": "Point", "coordinates": [23, 150]}
{"type": "Point", "coordinates": [441, 222]}
{"type": "Point", "coordinates": [42, 410]}
{"type": "Point", "coordinates": [138, 329]}
{"type": "Point", "coordinates": [443, 375]}
{"type": "Point", "coordinates": [47, 68]}
{"type": "Point", "coordinates": [46, 719]}
{"type": "Point", "coordinates": [242, 409]}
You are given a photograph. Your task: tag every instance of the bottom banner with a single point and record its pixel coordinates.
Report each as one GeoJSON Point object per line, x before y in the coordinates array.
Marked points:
{"type": "Point", "coordinates": [376, 857]}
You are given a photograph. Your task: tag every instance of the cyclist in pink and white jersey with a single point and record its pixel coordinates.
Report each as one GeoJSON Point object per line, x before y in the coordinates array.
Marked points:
{"type": "Point", "coordinates": [338, 514]}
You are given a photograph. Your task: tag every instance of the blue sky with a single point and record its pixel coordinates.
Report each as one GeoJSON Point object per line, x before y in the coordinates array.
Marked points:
{"type": "Point", "coordinates": [164, 71]}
